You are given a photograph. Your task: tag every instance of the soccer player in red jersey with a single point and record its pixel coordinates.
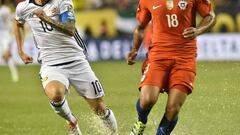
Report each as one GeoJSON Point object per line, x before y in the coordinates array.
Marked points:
{"type": "Point", "coordinates": [172, 56]}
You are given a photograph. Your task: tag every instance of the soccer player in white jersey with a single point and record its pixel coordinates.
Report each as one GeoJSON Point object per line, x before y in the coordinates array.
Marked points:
{"type": "Point", "coordinates": [6, 39]}
{"type": "Point", "coordinates": [61, 53]}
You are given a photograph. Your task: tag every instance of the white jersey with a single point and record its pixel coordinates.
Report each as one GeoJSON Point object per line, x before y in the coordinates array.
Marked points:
{"type": "Point", "coordinates": [55, 47]}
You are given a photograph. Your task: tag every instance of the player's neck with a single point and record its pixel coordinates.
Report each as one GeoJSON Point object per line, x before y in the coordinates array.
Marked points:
{"type": "Point", "coordinates": [41, 2]}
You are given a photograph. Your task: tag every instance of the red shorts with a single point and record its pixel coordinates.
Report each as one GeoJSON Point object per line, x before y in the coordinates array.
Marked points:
{"type": "Point", "coordinates": [168, 74]}
{"type": "Point", "coordinates": [144, 65]}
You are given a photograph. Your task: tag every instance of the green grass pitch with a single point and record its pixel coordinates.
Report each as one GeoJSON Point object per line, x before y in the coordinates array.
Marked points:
{"type": "Point", "coordinates": [212, 109]}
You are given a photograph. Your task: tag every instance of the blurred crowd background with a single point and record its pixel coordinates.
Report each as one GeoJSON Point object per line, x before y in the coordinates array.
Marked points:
{"type": "Point", "coordinates": [107, 25]}
{"type": "Point", "coordinates": [117, 17]}
{"type": "Point", "coordinates": [120, 4]}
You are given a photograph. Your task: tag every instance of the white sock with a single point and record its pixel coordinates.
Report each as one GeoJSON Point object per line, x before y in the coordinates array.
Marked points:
{"type": "Point", "coordinates": [110, 121]}
{"type": "Point", "coordinates": [63, 110]}
{"type": "Point", "coordinates": [13, 69]}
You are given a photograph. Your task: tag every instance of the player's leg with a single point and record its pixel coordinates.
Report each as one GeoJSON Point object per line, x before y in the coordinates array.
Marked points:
{"type": "Point", "coordinates": [55, 85]}
{"type": "Point", "coordinates": [87, 85]}
{"type": "Point", "coordinates": [181, 84]}
{"type": "Point", "coordinates": [153, 80]}
{"type": "Point", "coordinates": [106, 114]}
{"type": "Point", "coordinates": [13, 69]}
{"type": "Point", "coordinates": [176, 98]}
{"type": "Point", "coordinates": [7, 56]}
{"type": "Point", "coordinates": [148, 97]}
{"type": "Point", "coordinates": [55, 91]}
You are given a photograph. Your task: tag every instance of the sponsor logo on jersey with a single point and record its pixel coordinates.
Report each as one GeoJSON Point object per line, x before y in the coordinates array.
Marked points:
{"type": "Point", "coordinates": [156, 7]}
{"type": "Point", "coordinates": [182, 4]}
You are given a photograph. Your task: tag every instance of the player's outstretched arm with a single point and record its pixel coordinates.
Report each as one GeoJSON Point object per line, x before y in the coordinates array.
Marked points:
{"type": "Point", "coordinates": [19, 32]}
{"type": "Point", "coordinates": [206, 23]}
{"type": "Point", "coordinates": [67, 27]}
{"type": "Point", "coordinates": [137, 41]}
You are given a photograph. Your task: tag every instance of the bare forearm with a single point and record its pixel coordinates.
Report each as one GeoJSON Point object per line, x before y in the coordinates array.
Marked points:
{"type": "Point", "coordinates": [19, 33]}
{"type": "Point", "coordinates": [137, 38]}
{"type": "Point", "coordinates": [67, 27]}
{"type": "Point", "coordinates": [206, 23]}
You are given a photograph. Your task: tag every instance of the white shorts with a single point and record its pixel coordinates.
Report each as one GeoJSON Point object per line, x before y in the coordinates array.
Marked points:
{"type": "Point", "coordinates": [78, 73]}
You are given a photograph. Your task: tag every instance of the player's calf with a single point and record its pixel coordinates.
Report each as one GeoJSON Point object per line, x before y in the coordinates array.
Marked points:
{"type": "Point", "coordinates": [166, 126]}
{"type": "Point", "coordinates": [104, 113]}
{"type": "Point", "coordinates": [109, 121]}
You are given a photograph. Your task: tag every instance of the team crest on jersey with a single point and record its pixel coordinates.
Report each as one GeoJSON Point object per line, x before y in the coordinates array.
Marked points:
{"type": "Point", "coordinates": [54, 11]}
{"type": "Point", "coordinates": [170, 4]}
{"type": "Point", "coordinates": [182, 4]}
{"type": "Point", "coordinates": [44, 79]}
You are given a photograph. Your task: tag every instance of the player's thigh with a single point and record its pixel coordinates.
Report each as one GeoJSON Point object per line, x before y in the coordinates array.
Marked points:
{"type": "Point", "coordinates": [156, 74]}
{"type": "Point", "coordinates": [182, 76]}
{"type": "Point", "coordinates": [54, 80]}
{"type": "Point", "coordinates": [85, 82]}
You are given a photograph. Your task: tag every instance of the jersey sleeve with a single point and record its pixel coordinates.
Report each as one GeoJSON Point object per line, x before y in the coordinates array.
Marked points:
{"type": "Point", "coordinates": [66, 11]}
{"type": "Point", "coordinates": [204, 7]}
{"type": "Point", "coordinates": [19, 13]}
{"type": "Point", "coordinates": [143, 15]}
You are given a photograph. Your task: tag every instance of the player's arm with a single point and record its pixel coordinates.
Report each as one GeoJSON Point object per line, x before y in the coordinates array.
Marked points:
{"type": "Point", "coordinates": [137, 41]}
{"type": "Point", "coordinates": [204, 8]}
{"type": "Point", "coordinates": [68, 26]}
{"type": "Point", "coordinates": [206, 23]}
{"type": "Point", "coordinates": [19, 33]}
{"type": "Point", "coordinates": [143, 16]}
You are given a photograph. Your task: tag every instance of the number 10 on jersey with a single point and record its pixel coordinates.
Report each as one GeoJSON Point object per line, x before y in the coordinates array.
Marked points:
{"type": "Point", "coordinates": [46, 27]}
{"type": "Point", "coordinates": [172, 20]}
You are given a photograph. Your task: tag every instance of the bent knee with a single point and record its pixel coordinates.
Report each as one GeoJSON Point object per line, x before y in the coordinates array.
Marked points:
{"type": "Point", "coordinates": [149, 96]}
{"type": "Point", "coordinates": [147, 102]}
{"type": "Point", "coordinates": [55, 91]}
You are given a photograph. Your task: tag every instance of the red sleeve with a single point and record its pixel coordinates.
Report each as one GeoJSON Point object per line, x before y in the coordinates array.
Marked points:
{"type": "Point", "coordinates": [204, 7]}
{"type": "Point", "coordinates": [143, 15]}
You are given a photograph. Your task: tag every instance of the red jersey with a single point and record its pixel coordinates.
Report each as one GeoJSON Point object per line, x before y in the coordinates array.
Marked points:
{"type": "Point", "coordinates": [169, 19]}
